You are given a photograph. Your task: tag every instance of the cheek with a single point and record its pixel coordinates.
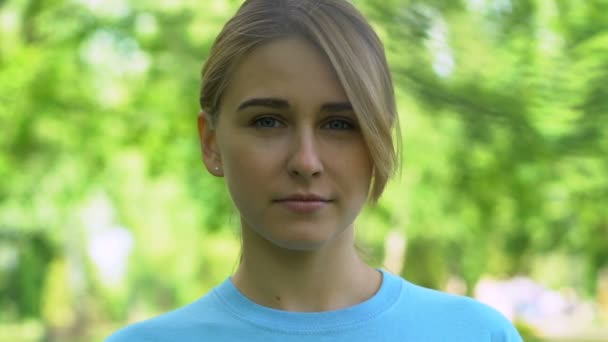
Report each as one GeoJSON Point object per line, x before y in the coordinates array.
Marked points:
{"type": "Point", "coordinates": [357, 165]}
{"type": "Point", "coordinates": [246, 167]}
{"type": "Point", "coordinates": [241, 153]}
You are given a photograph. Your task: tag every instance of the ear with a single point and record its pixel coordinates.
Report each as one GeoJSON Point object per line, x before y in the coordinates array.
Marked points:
{"type": "Point", "coordinates": [209, 149]}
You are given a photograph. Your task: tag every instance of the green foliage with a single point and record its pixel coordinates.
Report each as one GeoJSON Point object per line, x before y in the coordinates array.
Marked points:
{"type": "Point", "coordinates": [21, 284]}
{"type": "Point", "coordinates": [505, 132]}
{"type": "Point", "coordinates": [527, 333]}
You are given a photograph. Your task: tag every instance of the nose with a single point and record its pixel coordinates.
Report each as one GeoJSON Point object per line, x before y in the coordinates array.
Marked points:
{"type": "Point", "coordinates": [304, 159]}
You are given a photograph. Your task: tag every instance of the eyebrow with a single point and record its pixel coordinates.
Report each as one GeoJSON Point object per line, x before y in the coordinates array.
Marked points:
{"type": "Point", "coordinates": [337, 107]}
{"type": "Point", "coordinates": [283, 104]}
{"type": "Point", "coordinates": [264, 102]}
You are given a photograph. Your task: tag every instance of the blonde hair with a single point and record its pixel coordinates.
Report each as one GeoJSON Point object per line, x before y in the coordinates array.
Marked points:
{"type": "Point", "coordinates": [352, 47]}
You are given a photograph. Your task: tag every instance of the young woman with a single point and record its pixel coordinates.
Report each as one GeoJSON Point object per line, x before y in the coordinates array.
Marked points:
{"type": "Point", "coordinates": [298, 113]}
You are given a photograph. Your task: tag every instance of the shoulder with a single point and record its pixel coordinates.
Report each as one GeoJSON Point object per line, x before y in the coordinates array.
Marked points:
{"type": "Point", "coordinates": [440, 309]}
{"type": "Point", "coordinates": [182, 324]}
{"type": "Point", "coordinates": [154, 329]}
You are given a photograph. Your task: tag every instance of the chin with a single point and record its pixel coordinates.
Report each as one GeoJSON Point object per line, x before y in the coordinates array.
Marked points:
{"type": "Point", "coordinates": [302, 244]}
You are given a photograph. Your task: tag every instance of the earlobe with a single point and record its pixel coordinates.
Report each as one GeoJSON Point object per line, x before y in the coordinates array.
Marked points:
{"type": "Point", "coordinates": [209, 148]}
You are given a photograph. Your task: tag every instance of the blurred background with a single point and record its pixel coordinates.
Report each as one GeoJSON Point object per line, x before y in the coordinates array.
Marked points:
{"type": "Point", "coordinates": [107, 215]}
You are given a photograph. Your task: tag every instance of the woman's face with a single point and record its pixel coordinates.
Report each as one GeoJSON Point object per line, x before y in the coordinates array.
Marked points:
{"type": "Point", "coordinates": [288, 144]}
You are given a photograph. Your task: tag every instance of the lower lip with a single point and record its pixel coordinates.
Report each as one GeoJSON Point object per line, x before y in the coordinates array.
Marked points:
{"type": "Point", "coordinates": [304, 206]}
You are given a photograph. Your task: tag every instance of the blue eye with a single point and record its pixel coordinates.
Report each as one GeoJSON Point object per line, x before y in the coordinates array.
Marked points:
{"type": "Point", "coordinates": [339, 124]}
{"type": "Point", "coordinates": [266, 122]}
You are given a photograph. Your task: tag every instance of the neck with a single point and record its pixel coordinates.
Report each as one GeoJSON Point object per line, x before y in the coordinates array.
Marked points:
{"type": "Point", "coordinates": [329, 278]}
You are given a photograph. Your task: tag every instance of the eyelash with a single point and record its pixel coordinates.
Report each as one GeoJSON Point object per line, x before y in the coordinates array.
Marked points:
{"type": "Point", "coordinates": [349, 125]}
{"type": "Point", "coordinates": [257, 122]}
{"type": "Point", "coordinates": [344, 122]}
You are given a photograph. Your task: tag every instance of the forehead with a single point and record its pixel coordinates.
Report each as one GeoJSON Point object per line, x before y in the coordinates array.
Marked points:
{"type": "Point", "coordinates": [289, 68]}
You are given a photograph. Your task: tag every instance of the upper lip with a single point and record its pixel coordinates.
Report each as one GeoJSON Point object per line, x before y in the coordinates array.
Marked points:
{"type": "Point", "coordinates": [304, 197]}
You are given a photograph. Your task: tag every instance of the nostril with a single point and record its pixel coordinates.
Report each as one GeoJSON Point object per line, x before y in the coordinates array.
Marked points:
{"type": "Point", "coordinates": [304, 158]}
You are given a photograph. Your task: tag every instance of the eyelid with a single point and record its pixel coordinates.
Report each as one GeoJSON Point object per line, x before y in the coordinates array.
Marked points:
{"type": "Point", "coordinates": [350, 121]}
{"type": "Point", "coordinates": [258, 118]}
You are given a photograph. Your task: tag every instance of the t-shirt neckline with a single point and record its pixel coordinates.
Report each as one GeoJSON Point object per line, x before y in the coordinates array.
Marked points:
{"type": "Point", "coordinates": [247, 310]}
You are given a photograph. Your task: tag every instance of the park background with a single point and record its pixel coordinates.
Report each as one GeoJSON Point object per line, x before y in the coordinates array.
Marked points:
{"type": "Point", "coordinates": [107, 215]}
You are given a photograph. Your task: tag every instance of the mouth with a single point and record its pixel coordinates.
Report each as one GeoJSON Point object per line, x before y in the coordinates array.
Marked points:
{"type": "Point", "coordinates": [303, 203]}
{"type": "Point", "coordinates": [303, 198]}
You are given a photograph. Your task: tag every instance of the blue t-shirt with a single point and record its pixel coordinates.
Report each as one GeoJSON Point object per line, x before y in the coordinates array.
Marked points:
{"type": "Point", "coordinates": [399, 311]}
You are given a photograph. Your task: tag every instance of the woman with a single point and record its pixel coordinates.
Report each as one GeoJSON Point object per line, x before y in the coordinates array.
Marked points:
{"type": "Point", "coordinates": [298, 113]}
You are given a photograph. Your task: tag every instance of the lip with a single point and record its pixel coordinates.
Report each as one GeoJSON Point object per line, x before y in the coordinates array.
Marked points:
{"type": "Point", "coordinates": [303, 203]}
{"type": "Point", "coordinates": [303, 197]}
